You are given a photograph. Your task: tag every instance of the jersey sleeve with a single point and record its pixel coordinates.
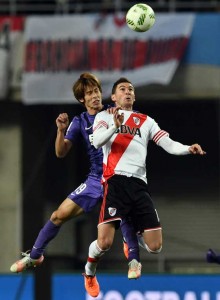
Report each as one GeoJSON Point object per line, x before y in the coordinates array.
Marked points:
{"type": "Point", "coordinates": [155, 132]}
{"type": "Point", "coordinates": [73, 131]}
{"type": "Point", "coordinates": [173, 147]}
{"type": "Point", "coordinates": [102, 132]}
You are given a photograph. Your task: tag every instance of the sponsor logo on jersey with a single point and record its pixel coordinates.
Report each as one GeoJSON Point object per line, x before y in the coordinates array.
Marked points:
{"type": "Point", "coordinates": [129, 130]}
{"type": "Point", "coordinates": [112, 211]}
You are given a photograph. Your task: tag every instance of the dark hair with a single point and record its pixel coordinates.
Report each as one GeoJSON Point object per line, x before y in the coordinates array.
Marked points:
{"type": "Point", "coordinates": [85, 80]}
{"type": "Point", "coordinates": [120, 80]}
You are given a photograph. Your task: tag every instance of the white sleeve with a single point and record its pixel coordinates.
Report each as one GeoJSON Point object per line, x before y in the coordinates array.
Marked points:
{"type": "Point", "coordinates": [173, 147]}
{"type": "Point", "coordinates": [101, 132]}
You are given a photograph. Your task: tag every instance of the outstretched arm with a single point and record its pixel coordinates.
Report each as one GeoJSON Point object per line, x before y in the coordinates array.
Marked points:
{"type": "Point", "coordinates": [177, 148]}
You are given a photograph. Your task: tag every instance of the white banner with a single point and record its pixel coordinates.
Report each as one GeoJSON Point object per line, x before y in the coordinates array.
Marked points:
{"type": "Point", "coordinates": [59, 48]}
{"type": "Point", "coordinates": [11, 55]}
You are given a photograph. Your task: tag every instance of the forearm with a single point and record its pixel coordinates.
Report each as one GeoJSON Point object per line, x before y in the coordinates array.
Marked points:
{"type": "Point", "coordinates": [173, 147]}
{"type": "Point", "coordinates": [102, 135]}
{"type": "Point", "coordinates": [61, 148]}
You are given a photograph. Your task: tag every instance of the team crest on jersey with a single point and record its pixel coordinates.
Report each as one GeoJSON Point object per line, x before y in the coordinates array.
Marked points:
{"type": "Point", "coordinates": [136, 120]}
{"type": "Point", "coordinates": [112, 211]}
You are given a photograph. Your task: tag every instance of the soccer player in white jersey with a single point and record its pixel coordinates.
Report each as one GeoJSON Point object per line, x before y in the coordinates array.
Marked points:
{"type": "Point", "coordinates": [124, 138]}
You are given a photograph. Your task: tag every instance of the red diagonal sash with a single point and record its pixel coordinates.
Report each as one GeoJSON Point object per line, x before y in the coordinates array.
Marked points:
{"type": "Point", "coordinates": [121, 143]}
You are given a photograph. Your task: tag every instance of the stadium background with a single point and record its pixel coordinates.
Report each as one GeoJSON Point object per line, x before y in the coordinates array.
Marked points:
{"type": "Point", "coordinates": [185, 189]}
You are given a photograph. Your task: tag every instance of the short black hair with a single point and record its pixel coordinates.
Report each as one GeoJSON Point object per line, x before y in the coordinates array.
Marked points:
{"type": "Point", "coordinates": [120, 80]}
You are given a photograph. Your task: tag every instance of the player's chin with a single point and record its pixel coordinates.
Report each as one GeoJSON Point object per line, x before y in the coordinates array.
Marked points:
{"type": "Point", "coordinates": [97, 105]}
{"type": "Point", "coordinates": [128, 102]}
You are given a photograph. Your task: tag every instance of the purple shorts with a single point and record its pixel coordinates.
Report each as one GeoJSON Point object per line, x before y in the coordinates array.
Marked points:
{"type": "Point", "coordinates": [88, 194]}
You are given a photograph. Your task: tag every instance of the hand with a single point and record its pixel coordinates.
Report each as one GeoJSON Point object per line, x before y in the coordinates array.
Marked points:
{"type": "Point", "coordinates": [62, 121]}
{"type": "Point", "coordinates": [111, 110]}
{"type": "Point", "coordinates": [196, 149]}
{"type": "Point", "coordinates": [118, 118]}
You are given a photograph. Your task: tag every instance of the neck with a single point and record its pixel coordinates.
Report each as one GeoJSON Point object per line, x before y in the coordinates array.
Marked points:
{"type": "Point", "coordinates": [129, 107]}
{"type": "Point", "coordinates": [94, 111]}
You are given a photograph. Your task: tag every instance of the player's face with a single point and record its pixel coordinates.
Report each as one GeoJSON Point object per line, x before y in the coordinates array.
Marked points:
{"type": "Point", "coordinates": [92, 99]}
{"type": "Point", "coordinates": [124, 95]}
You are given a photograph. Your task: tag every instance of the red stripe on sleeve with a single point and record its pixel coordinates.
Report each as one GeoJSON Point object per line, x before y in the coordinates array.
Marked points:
{"type": "Point", "coordinates": [159, 135]}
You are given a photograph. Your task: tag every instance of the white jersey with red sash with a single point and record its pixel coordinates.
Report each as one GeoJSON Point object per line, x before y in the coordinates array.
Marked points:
{"type": "Point", "coordinates": [126, 151]}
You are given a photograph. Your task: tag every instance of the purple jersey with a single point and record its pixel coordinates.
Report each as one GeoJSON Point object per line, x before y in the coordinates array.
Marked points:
{"type": "Point", "coordinates": [81, 128]}
{"type": "Point", "coordinates": [89, 193]}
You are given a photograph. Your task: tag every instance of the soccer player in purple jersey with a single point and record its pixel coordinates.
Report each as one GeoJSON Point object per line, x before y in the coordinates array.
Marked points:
{"type": "Point", "coordinates": [212, 257]}
{"type": "Point", "coordinates": [87, 90]}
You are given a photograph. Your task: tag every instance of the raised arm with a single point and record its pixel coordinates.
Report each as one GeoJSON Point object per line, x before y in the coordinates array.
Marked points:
{"type": "Point", "coordinates": [101, 132]}
{"type": "Point", "coordinates": [62, 145]}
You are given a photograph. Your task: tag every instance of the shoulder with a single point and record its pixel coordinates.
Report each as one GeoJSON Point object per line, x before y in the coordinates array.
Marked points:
{"type": "Point", "coordinates": [81, 117]}
{"type": "Point", "coordinates": [75, 122]}
{"type": "Point", "coordinates": [139, 115]}
{"type": "Point", "coordinates": [76, 118]}
{"type": "Point", "coordinates": [102, 114]}
{"type": "Point", "coordinates": [145, 119]}
{"type": "Point", "coordinates": [145, 116]}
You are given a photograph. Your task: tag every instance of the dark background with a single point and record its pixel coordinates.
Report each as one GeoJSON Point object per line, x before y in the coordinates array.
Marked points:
{"type": "Point", "coordinates": [47, 178]}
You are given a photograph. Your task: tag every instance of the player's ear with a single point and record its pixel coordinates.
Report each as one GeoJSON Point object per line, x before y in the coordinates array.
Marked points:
{"type": "Point", "coordinates": [113, 97]}
{"type": "Point", "coordinates": [81, 100]}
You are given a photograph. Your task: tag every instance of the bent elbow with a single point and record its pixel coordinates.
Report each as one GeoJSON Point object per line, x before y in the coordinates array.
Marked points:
{"type": "Point", "coordinates": [96, 142]}
{"type": "Point", "coordinates": [60, 155]}
{"type": "Point", "coordinates": [97, 145]}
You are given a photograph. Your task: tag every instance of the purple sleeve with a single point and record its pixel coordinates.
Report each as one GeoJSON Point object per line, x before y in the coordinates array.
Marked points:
{"type": "Point", "coordinates": [73, 131]}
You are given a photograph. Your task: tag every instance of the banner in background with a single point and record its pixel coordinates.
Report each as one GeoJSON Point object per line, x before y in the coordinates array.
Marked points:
{"type": "Point", "coordinates": [11, 59]}
{"type": "Point", "coordinates": [59, 48]}
{"type": "Point", "coordinates": [148, 287]}
{"type": "Point", "coordinates": [116, 287]}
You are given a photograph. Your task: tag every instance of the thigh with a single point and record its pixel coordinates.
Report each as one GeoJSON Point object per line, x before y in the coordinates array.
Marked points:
{"type": "Point", "coordinates": [68, 209]}
{"type": "Point", "coordinates": [65, 211]}
{"type": "Point", "coordinates": [116, 203]}
{"type": "Point", "coordinates": [145, 216]}
{"type": "Point", "coordinates": [106, 233]}
{"type": "Point", "coordinates": [88, 194]}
